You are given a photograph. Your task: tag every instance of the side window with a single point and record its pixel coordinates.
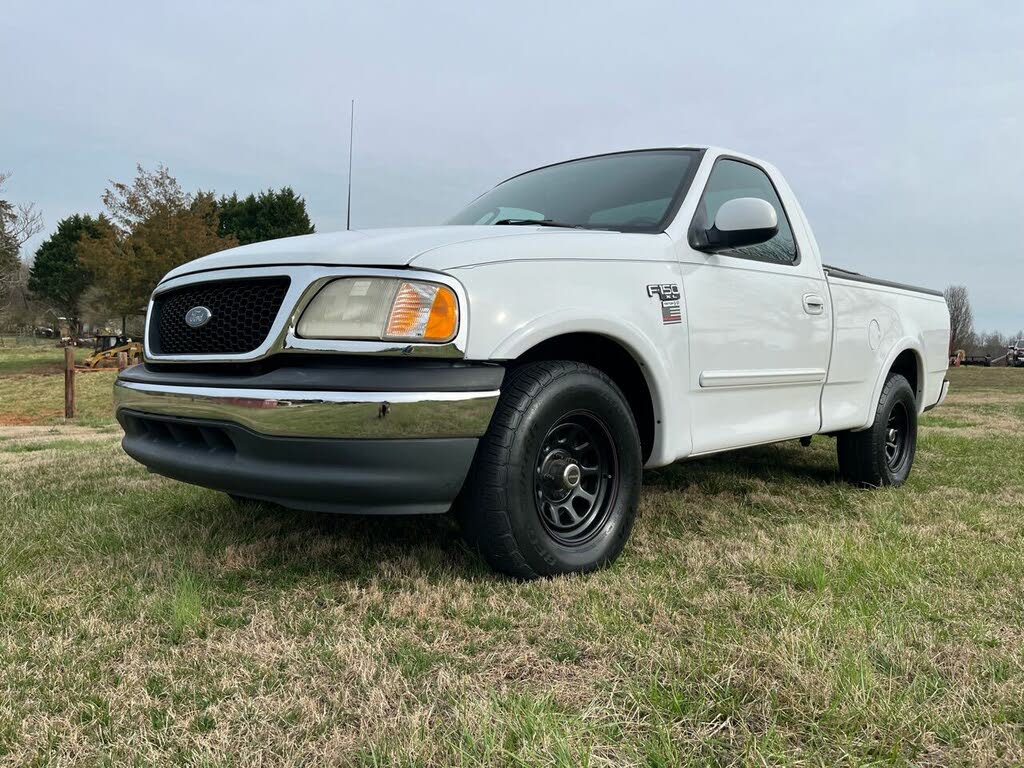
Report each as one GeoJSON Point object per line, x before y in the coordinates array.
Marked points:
{"type": "Point", "coordinates": [731, 179]}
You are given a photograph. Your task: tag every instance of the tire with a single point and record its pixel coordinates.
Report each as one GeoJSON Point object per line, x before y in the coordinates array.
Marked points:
{"type": "Point", "coordinates": [524, 507]}
{"type": "Point", "coordinates": [878, 455]}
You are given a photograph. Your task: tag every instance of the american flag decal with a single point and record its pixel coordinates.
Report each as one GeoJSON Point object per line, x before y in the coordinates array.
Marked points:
{"type": "Point", "coordinates": [671, 312]}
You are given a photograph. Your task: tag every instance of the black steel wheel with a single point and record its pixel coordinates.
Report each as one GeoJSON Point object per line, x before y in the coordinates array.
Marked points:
{"type": "Point", "coordinates": [897, 436]}
{"type": "Point", "coordinates": [576, 478]}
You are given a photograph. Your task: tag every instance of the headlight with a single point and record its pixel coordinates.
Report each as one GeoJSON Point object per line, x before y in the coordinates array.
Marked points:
{"type": "Point", "coordinates": [382, 309]}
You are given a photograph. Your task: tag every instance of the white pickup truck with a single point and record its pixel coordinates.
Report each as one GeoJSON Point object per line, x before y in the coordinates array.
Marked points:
{"type": "Point", "coordinates": [524, 362]}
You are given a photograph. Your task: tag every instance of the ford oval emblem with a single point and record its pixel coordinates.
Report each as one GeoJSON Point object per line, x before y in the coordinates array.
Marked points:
{"type": "Point", "coordinates": [197, 317]}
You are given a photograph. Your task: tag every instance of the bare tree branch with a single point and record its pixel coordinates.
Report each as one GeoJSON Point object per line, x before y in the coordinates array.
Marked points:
{"type": "Point", "coordinates": [17, 225]}
{"type": "Point", "coordinates": [27, 222]}
{"type": "Point", "coordinates": [961, 318]}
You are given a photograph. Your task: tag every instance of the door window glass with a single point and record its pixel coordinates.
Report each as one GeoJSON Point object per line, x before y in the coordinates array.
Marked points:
{"type": "Point", "coordinates": [731, 179]}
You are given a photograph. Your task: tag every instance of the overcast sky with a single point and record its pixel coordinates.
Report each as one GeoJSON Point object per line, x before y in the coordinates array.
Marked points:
{"type": "Point", "coordinates": [900, 125]}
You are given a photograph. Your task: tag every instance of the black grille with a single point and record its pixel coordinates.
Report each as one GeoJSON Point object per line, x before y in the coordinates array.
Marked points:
{"type": "Point", "coordinates": [241, 314]}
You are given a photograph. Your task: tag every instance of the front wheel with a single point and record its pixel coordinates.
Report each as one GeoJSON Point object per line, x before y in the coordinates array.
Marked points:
{"type": "Point", "coordinates": [555, 482]}
{"type": "Point", "coordinates": [883, 453]}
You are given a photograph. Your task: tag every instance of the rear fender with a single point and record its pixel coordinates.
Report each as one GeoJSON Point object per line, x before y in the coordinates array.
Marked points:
{"type": "Point", "coordinates": [898, 349]}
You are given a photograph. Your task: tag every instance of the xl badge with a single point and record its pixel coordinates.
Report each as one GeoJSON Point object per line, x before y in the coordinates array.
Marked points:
{"type": "Point", "coordinates": [197, 317]}
{"type": "Point", "coordinates": [671, 309]}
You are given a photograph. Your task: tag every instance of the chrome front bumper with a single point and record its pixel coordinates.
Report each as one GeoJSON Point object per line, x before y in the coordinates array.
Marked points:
{"type": "Point", "coordinates": [363, 438]}
{"type": "Point", "coordinates": [281, 413]}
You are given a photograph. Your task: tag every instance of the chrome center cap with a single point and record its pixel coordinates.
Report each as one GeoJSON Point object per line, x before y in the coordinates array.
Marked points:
{"type": "Point", "coordinates": [571, 476]}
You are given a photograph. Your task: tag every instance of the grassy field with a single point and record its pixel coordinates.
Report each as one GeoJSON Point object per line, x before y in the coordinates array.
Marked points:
{"type": "Point", "coordinates": [39, 356]}
{"type": "Point", "coordinates": [763, 613]}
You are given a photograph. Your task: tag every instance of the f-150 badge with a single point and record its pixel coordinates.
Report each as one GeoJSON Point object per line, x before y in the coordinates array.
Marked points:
{"type": "Point", "coordinates": [671, 308]}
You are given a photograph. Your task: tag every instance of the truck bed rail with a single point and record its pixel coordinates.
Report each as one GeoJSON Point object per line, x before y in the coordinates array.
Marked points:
{"type": "Point", "coordinates": [845, 274]}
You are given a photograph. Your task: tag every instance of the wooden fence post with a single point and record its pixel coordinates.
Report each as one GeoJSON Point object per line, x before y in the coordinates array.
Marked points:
{"type": "Point", "coordinates": [122, 360]}
{"type": "Point", "coordinates": [69, 382]}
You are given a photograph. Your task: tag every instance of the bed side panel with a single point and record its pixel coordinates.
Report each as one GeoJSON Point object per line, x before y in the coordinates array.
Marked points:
{"type": "Point", "coordinates": [873, 324]}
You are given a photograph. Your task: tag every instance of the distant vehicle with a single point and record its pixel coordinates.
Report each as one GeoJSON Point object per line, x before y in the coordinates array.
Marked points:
{"type": "Point", "coordinates": [572, 325]}
{"type": "Point", "coordinates": [1015, 354]}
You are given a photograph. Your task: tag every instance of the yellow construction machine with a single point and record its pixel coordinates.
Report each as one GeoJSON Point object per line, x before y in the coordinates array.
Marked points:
{"type": "Point", "coordinates": [107, 348]}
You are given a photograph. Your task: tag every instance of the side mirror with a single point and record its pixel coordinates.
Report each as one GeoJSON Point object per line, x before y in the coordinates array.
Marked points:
{"type": "Point", "coordinates": [739, 222]}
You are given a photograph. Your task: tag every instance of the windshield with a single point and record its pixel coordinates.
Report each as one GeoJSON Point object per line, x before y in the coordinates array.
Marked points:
{"type": "Point", "coordinates": [627, 192]}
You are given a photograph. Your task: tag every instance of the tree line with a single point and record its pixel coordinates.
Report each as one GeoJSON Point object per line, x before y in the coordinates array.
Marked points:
{"type": "Point", "coordinates": [962, 335]}
{"type": "Point", "coordinates": [109, 263]}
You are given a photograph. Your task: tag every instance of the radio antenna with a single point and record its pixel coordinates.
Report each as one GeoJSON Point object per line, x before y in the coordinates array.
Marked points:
{"type": "Point", "coordinates": [351, 128]}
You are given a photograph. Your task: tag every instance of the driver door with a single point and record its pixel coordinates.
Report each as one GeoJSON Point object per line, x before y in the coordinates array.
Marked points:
{"type": "Point", "coordinates": [759, 326]}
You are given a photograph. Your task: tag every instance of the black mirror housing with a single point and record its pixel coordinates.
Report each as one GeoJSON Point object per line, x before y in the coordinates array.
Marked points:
{"type": "Point", "coordinates": [717, 239]}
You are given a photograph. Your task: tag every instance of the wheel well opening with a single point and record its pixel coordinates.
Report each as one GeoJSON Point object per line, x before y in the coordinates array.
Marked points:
{"type": "Point", "coordinates": [613, 359]}
{"type": "Point", "coordinates": [905, 364]}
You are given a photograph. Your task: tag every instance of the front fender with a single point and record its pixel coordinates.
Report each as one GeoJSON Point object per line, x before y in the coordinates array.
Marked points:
{"type": "Point", "coordinates": [514, 306]}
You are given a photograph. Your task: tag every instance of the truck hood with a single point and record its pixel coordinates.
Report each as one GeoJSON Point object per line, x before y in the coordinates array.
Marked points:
{"type": "Point", "coordinates": [369, 248]}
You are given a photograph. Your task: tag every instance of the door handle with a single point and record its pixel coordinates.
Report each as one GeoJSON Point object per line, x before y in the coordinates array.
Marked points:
{"type": "Point", "coordinates": [813, 304]}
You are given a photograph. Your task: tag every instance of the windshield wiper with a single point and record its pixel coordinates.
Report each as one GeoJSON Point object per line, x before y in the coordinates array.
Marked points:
{"type": "Point", "coordinates": [538, 222]}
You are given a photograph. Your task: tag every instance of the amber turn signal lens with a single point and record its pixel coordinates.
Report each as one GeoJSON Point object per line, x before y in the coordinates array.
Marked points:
{"type": "Point", "coordinates": [444, 316]}
{"type": "Point", "coordinates": [424, 311]}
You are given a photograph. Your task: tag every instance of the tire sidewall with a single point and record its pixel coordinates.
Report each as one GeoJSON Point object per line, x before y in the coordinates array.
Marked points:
{"type": "Point", "coordinates": [573, 393]}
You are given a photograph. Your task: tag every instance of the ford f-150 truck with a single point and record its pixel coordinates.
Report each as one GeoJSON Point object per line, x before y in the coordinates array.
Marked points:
{"type": "Point", "coordinates": [522, 363]}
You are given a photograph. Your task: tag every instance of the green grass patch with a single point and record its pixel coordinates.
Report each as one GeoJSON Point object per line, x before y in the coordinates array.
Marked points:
{"type": "Point", "coordinates": [35, 358]}
{"type": "Point", "coordinates": [762, 613]}
{"type": "Point", "coordinates": [39, 399]}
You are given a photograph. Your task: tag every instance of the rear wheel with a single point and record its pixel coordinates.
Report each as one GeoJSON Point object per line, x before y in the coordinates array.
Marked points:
{"type": "Point", "coordinates": [556, 480]}
{"type": "Point", "coordinates": [883, 454]}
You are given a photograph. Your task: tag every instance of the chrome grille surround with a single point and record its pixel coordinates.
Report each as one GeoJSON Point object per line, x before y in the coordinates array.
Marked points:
{"type": "Point", "coordinates": [238, 316]}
